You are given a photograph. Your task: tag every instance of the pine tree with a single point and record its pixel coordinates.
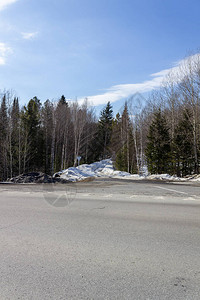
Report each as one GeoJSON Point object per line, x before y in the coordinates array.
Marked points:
{"type": "Point", "coordinates": [158, 145]}
{"type": "Point", "coordinates": [116, 141]}
{"type": "Point", "coordinates": [105, 130]}
{"type": "Point", "coordinates": [125, 137]}
{"type": "Point", "coordinates": [3, 139]}
{"type": "Point", "coordinates": [120, 161]}
{"type": "Point", "coordinates": [3, 118]}
{"type": "Point", "coordinates": [15, 137]}
{"type": "Point", "coordinates": [33, 139]}
{"type": "Point", "coordinates": [122, 143]}
{"type": "Point", "coordinates": [99, 145]}
{"type": "Point", "coordinates": [184, 145]}
{"type": "Point", "coordinates": [61, 119]}
{"type": "Point", "coordinates": [47, 121]}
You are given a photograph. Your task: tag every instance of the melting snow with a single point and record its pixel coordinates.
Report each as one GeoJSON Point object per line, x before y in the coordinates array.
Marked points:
{"type": "Point", "coordinates": [102, 168]}
{"type": "Point", "coordinates": [105, 169]}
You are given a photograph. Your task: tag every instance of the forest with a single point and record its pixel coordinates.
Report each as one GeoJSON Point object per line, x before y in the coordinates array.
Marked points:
{"type": "Point", "coordinates": [161, 132]}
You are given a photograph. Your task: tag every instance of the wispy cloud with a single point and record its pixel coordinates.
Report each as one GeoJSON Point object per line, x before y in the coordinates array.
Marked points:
{"type": "Point", "coordinates": [4, 50]}
{"type": "Point", "coordinates": [29, 35]}
{"type": "Point", "coordinates": [5, 3]}
{"type": "Point", "coordinates": [122, 91]}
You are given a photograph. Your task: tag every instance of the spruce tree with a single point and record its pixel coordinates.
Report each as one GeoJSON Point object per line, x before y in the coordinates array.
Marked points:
{"type": "Point", "coordinates": [158, 145]}
{"type": "Point", "coordinates": [120, 161]}
{"type": "Point", "coordinates": [15, 136]}
{"type": "Point", "coordinates": [184, 145]}
{"type": "Point", "coordinates": [102, 140]}
{"type": "Point", "coordinates": [125, 156]}
{"type": "Point", "coordinates": [47, 128]}
{"type": "Point", "coordinates": [3, 139]}
{"type": "Point", "coordinates": [115, 143]}
{"type": "Point", "coordinates": [33, 148]}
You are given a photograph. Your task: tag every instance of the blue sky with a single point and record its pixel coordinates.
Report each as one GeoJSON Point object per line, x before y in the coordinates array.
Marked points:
{"type": "Point", "coordinates": [105, 50]}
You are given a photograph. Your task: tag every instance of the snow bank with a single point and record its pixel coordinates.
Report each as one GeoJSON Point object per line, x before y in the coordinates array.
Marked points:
{"type": "Point", "coordinates": [72, 174]}
{"type": "Point", "coordinates": [194, 178]}
{"type": "Point", "coordinates": [164, 177]}
{"type": "Point", "coordinates": [105, 168]}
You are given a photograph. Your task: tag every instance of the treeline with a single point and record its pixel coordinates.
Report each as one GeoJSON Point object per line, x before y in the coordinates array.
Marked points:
{"type": "Point", "coordinates": [162, 132]}
{"type": "Point", "coordinates": [173, 139]}
{"type": "Point", "coordinates": [45, 137]}
{"type": "Point", "coordinates": [50, 137]}
{"type": "Point", "coordinates": [166, 131]}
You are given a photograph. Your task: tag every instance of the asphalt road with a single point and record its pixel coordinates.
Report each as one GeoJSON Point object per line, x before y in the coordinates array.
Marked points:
{"type": "Point", "coordinates": [100, 240]}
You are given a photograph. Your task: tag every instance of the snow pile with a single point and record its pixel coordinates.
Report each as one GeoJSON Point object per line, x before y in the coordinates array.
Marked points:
{"type": "Point", "coordinates": [106, 169]}
{"type": "Point", "coordinates": [85, 171]}
{"type": "Point", "coordinates": [103, 168]}
{"type": "Point", "coordinates": [100, 168]}
{"type": "Point", "coordinates": [72, 174]}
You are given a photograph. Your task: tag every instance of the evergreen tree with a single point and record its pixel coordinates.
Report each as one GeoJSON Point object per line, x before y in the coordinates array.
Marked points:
{"type": "Point", "coordinates": [122, 139]}
{"type": "Point", "coordinates": [62, 101]}
{"type": "Point", "coordinates": [33, 148]}
{"type": "Point", "coordinates": [184, 145]}
{"type": "Point", "coordinates": [47, 128]}
{"type": "Point", "coordinates": [100, 145]}
{"type": "Point", "coordinates": [3, 118]}
{"type": "Point", "coordinates": [126, 138]}
{"type": "Point", "coordinates": [15, 137]}
{"type": "Point", "coordinates": [116, 142]}
{"type": "Point", "coordinates": [3, 139]}
{"type": "Point", "coordinates": [105, 127]}
{"type": "Point", "coordinates": [158, 145]}
{"type": "Point", "coordinates": [120, 161]}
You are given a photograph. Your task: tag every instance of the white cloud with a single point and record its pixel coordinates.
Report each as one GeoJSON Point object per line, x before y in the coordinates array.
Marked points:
{"type": "Point", "coordinates": [2, 61]}
{"type": "Point", "coordinates": [4, 50]}
{"type": "Point", "coordinates": [5, 3]}
{"type": "Point", "coordinates": [122, 91]}
{"type": "Point", "coordinates": [29, 35]}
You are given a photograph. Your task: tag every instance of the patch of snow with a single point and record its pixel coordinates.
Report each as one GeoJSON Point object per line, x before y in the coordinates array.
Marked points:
{"type": "Point", "coordinates": [164, 177]}
{"type": "Point", "coordinates": [194, 178]}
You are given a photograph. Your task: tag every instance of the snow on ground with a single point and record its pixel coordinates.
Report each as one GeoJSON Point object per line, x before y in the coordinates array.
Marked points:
{"type": "Point", "coordinates": [105, 168]}
{"type": "Point", "coordinates": [164, 177]}
{"type": "Point", "coordinates": [194, 178]}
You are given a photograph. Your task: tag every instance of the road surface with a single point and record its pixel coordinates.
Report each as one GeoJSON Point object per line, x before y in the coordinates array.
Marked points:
{"type": "Point", "coordinates": [106, 239]}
